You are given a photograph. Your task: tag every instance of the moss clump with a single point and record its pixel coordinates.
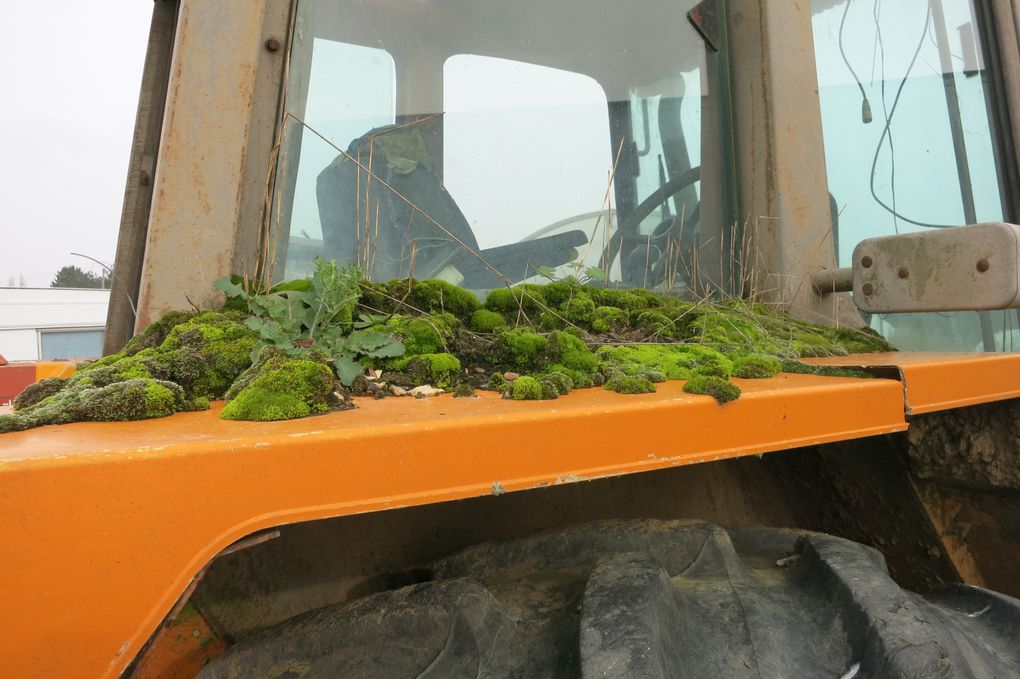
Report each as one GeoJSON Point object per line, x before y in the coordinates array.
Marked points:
{"type": "Point", "coordinates": [430, 296]}
{"type": "Point", "coordinates": [284, 389]}
{"type": "Point", "coordinates": [518, 349]}
{"type": "Point", "coordinates": [798, 367]}
{"type": "Point", "coordinates": [422, 334]}
{"type": "Point", "coordinates": [34, 393]}
{"type": "Point", "coordinates": [484, 320]}
{"type": "Point", "coordinates": [526, 298]}
{"type": "Point", "coordinates": [136, 399]}
{"type": "Point", "coordinates": [497, 382]}
{"type": "Point", "coordinates": [609, 319]}
{"type": "Point", "coordinates": [464, 390]}
{"type": "Point", "coordinates": [630, 384]}
{"type": "Point", "coordinates": [526, 389]}
{"type": "Point", "coordinates": [560, 381]}
{"type": "Point", "coordinates": [722, 390]}
{"type": "Point", "coordinates": [440, 370]}
{"type": "Point", "coordinates": [756, 366]}
{"type": "Point", "coordinates": [572, 352]}
{"type": "Point", "coordinates": [672, 361]}
{"type": "Point", "coordinates": [197, 360]}
{"type": "Point", "coordinates": [549, 390]}
{"type": "Point", "coordinates": [222, 345]}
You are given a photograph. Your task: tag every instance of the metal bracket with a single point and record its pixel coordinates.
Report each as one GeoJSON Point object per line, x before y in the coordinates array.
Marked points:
{"type": "Point", "coordinates": [967, 268]}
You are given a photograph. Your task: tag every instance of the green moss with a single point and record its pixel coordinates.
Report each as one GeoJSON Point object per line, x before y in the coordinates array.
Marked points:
{"type": "Point", "coordinates": [572, 352]}
{"type": "Point", "coordinates": [160, 400]}
{"type": "Point", "coordinates": [518, 349]}
{"type": "Point", "coordinates": [549, 390]}
{"type": "Point", "coordinates": [798, 367]}
{"type": "Point", "coordinates": [526, 389]}
{"type": "Point", "coordinates": [497, 382]}
{"type": "Point", "coordinates": [284, 390]}
{"type": "Point", "coordinates": [39, 391]}
{"type": "Point", "coordinates": [630, 384]}
{"type": "Point", "coordinates": [756, 366]}
{"type": "Point", "coordinates": [438, 296]}
{"type": "Point", "coordinates": [464, 390]}
{"type": "Point", "coordinates": [296, 285]}
{"type": "Point", "coordinates": [559, 380]}
{"type": "Point", "coordinates": [655, 323]}
{"type": "Point", "coordinates": [609, 319]}
{"type": "Point", "coordinates": [720, 389]}
{"type": "Point", "coordinates": [527, 298]}
{"type": "Point", "coordinates": [135, 399]}
{"type": "Point", "coordinates": [484, 320]}
{"type": "Point", "coordinates": [440, 370]}
{"type": "Point", "coordinates": [154, 335]}
{"type": "Point", "coordinates": [578, 308]}
{"type": "Point", "coordinates": [422, 334]}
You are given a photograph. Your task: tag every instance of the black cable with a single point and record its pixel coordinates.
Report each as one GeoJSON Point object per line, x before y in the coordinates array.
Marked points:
{"type": "Point", "coordinates": [865, 104]}
{"type": "Point", "coordinates": [876, 14]}
{"type": "Point", "coordinates": [886, 133]}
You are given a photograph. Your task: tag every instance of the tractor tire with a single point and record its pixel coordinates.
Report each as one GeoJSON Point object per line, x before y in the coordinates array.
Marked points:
{"type": "Point", "coordinates": [642, 600]}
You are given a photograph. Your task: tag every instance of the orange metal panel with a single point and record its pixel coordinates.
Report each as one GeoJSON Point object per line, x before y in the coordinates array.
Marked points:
{"type": "Point", "coordinates": [941, 381]}
{"type": "Point", "coordinates": [104, 524]}
{"type": "Point", "coordinates": [45, 369]}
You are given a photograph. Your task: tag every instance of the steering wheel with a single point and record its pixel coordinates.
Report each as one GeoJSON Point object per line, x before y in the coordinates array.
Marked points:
{"type": "Point", "coordinates": [659, 237]}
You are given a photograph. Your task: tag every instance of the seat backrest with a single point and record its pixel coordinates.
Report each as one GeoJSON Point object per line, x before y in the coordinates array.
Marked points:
{"type": "Point", "coordinates": [373, 203]}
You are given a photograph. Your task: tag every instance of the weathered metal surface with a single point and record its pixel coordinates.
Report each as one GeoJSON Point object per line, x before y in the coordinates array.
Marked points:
{"type": "Point", "coordinates": [120, 319]}
{"type": "Point", "coordinates": [202, 190]}
{"type": "Point", "coordinates": [106, 524]}
{"type": "Point", "coordinates": [180, 649]}
{"type": "Point", "coordinates": [967, 268]}
{"type": "Point", "coordinates": [784, 196]}
{"type": "Point", "coordinates": [941, 381]}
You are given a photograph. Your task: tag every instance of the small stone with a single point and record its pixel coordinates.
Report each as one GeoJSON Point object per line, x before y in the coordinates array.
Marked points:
{"type": "Point", "coordinates": [509, 376]}
{"type": "Point", "coordinates": [397, 391]}
{"type": "Point", "coordinates": [480, 371]}
{"type": "Point", "coordinates": [425, 391]}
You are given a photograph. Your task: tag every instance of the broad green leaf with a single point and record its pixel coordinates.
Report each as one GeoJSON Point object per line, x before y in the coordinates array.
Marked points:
{"type": "Point", "coordinates": [229, 288]}
{"type": "Point", "coordinates": [362, 341]}
{"type": "Point", "coordinates": [347, 368]}
{"type": "Point", "coordinates": [391, 349]}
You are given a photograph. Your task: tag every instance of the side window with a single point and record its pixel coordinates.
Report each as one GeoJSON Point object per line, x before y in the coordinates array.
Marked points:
{"type": "Point", "coordinates": [524, 146]}
{"type": "Point", "coordinates": [909, 141]}
{"type": "Point", "coordinates": [350, 91]}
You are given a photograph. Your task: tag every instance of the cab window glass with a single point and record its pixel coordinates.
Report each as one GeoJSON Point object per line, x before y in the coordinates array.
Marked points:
{"type": "Point", "coordinates": [489, 143]}
{"type": "Point", "coordinates": [909, 141]}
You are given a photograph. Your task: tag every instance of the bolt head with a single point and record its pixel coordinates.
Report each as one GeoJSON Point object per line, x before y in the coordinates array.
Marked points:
{"type": "Point", "coordinates": [982, 265]}
{"type": "Point", "coordinates": [867, 288]}
{"type": "Point", "coordinates": [866, 262]}
{"type": "Point", "coordinates": [272, 45]}
{"type": "Point", "coordinates": [902, 272]}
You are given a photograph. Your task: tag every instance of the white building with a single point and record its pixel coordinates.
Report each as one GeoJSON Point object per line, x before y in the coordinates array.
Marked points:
{"type": "Point", "coordinates": [42, 324]}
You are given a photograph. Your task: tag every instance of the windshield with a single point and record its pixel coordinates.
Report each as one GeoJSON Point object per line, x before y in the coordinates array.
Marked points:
{"type": "Point", "coordinates": [489, 143]}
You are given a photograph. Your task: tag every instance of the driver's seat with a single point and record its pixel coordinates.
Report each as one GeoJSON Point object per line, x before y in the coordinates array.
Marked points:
{"type": "Point", "coordinates": [365, 222]}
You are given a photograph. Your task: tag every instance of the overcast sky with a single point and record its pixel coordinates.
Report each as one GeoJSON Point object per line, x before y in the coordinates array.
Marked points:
{"type": "Point", "coordinates": [70, 76]}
